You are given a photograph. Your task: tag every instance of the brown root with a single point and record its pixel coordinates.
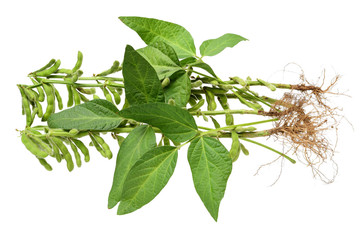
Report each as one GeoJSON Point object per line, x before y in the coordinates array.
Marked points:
{"type": "Point", "coordinates": [306, 120]}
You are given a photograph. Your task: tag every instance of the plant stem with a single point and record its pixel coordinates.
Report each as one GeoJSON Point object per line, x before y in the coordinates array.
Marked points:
{"type": "Point", "coordinates": [76, 84]}
{"type": "Point", "coordinates": [220, 112]}
{"type": "Point", "coordinates": [271, 149]}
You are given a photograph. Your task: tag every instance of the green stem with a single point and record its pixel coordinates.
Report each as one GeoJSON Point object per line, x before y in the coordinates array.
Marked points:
{"type": "Point", "coordinates": [271, 149]}
{"type": "Point", "coordinates": [237, 125]}
{"type": "Point", "coordinates": [76, 84]}
{"type": "Point", "coordinates": [221, 112]}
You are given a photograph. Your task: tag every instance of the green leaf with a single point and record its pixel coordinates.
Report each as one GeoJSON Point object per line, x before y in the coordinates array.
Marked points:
{"type": "Point", "coordinates": [147, 178]}
{"type": "Point", "coordinates": [142, 84]}
{"type": "Point", "coordinates": [211, 166]}
{"type": "Point", "coordinates": [212, 47]}
{"type": "Point", "coordinates": [163, 65]}
{"type": "Point", "coordinates": [205, 67]}
{"type": "Point", "coordinates": [167, 50]}
{"type": "Point", "coordinates": [139, 141]}
{"type": "Point", "coordinates": [179, 89]}
{"type": "Point", "coordinates": [187, 61]}
{"type": "Point", "coordinates": [152, 30]}
{"type": "Point", "coordinates": [174, 122]}
{"type": "Point", "coordinates": [97, 114]}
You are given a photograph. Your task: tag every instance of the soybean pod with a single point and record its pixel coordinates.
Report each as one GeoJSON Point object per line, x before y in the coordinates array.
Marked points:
{"type": "Point", "coordinates": [56, 150]}
{"type": "Point", "coordinates": [49, 64]}
{"type": "Point", "coordinates": [70, 96]}
{"type": "Point", "coordinates": [45, 164]}
{"type": "Point", "coordinates": [197, 106]}
{"type": "Point", "coordinates": [97, 146]}
{"type": "Point", "coordinates": [41, 94]}
{"type": "Point", "coordinates": [114, 68]}
{"type": "Point", "coordinates": [78, 62]}
{"type": "Point", "coordinates": [115, 94]}
{"type": "Point", "coordinates": [244, 150]}
{"type": "Point", "coordinates": [235, 146]}
{"type": "Point", "coordinates": [31, 145]}
{"type": "Point", "coordinates": [82, 148]}
{"type": "Point", "coordinates": [65, 152]}
{"type": "Point", "coordinates": [210, 99]}
{"type": "Point", "coordinates": [48, 71]}
{"type": "Point", "coordinates": [104, 146]}
{"type": "Point", "coordinates": [77, 99]}
{"type": "Point", "coordinates": [76, 153]}
{"type": "Point", "coordinates": [50, 98]}
{"type": "Point", "coordinates": [88, 91]}
{"type": "Point", "coordinates": [58, 98]}
{"type": "Point", "coordinates": [107, 94]}
{"type": "Point", "coordinates": [83, 98]}
{"type": "Point", "coordinates": [44, 146]}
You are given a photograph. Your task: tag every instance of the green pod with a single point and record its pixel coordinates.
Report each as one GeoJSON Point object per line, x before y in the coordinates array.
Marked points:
{"type": "Point", "coordinates": [226, 87]}
{"type": "Point", "coordinates": [77, 99]}
{"type": "Point", "coordinates": [214, 82]}
{"type": "Point", "coordinates": [45, 164]}
{"type": "Point", "coordinates": [83, 98]}
{"type": "Point", "coordinates": [119, 90]}
{"type": "Point", "coordinates": [58, 98]}
{"type": "Point", "coordinates": [210, 99]}
{"type": "Point", "coordinates": [31, 145]}
{"type": "Point", "coordinates": [165, 82]}
{"type": "Point", "coordinates": [83, 149]}
{"type": "Point", "coordinates": [192, 100]}
{"type": "Point", "coordinates": [244, 129]}
{"type": "Point", "coordinates": [235, 146]}
{"type": "Point", "coordinates": [65, 152]}
{"type": "Point", "coordinates": [116, 95]}
{"type": "Point", "coordinates": [44, 146]}
{"type": "Point", "coordinates": [76, 154]}
{"type": "Point", "coordinates": [73, 132]}
{"type": "Point", "coordinates": [239, 81]}
{"type": "Point", "coordinates": [217, 91]}
{"type": "Point", "coordinates": [48, 71]}
{"type": "Point", "coordinates": [88, 91]}
{"type": "Point", "coordinates": [96, 96]}
{"type": "Point", "coordinates": [244, 150]}
{"type": "Point", "coordinates": [267, 84]}
{"type": "Point", "coordinates": [104, 146]}
{"type": "Point", "coordinates": [49, 64]}
{"type": "Point", "coordinates": [216, 123]}
{"type": "Point", "coordinates": [107, 94]}
{"type": "Point", "coordinates": [223, 101]}
{"type": "Point", "coordinates": [70, 101]}
{"type": "Point", "coordinates": [114, 68]}
{"type": "Point", "coordinates": [197, 106]}
{"type": "Point", "coordinates": [196, 84]}
{"type": "Point", "coordinates": [31, 94]}
{"type": "Point", "coordinates": [50, 98]}
{"type": "Point", "coordinates": [27, 110]}
{"type": "Point", "coordinates": [229, 119]}
{"type": "Point", "coordinates": [78, 62]}
{"type": "Point", "coordinates": [41, 94]}
{"type": "Point", "coordinates": [56, 151]}
{"type": "Point", "coordinates": [97, 146]}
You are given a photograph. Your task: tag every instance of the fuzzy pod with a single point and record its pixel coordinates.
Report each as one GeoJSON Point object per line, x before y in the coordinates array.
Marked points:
{"type": "Point", "coordinates": [116, 95]}
{"type": "Point", "coordinates": [45, 164]}
{"type": "Point", "coordinates": [235, 146]}
{"type": "Point", "coordinates": [48, 71]}
{"type": "Point", "coordinates": [197, 106]}
{"type": "Point", "coordinates": [65, 152]}
{"type": "Point", "coordinates": [33, 147]}
{"type": "Point", "coordinates": [210, 99]}
{"type": "Point", "coordinates": [50, 98]}
{"type": "Point", "coordinates": [49, 64]}
{"type": "Point", "coordinates": [76, 154]}
{"type": "Point", "coordinates": [83, 149]}
{"type": "Point", "coordinates": [78, 62]}
{"type": "Point", "coordinates": [239, 81]}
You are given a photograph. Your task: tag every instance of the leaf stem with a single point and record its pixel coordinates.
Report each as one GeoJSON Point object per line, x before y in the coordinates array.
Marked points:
{"type": "Point", "coordinates": [271, 149]}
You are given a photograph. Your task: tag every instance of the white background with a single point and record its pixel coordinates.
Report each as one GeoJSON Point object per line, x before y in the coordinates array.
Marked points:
{"type": "Point", "coordinates": [36, 204]}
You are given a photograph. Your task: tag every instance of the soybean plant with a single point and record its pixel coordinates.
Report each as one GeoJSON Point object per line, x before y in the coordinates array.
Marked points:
{"type": "Point", "coordinates": [167, 87]}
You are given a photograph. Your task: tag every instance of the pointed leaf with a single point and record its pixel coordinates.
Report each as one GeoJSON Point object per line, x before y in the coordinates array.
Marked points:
{"type": "Point", "coordinates": [175, 123]}
{"type": "Point", "coordinates": [211, 166]}
{"type": "Point", "coordinates": [179, 89]}
{"type": "Point", "coordinates": [142, 84]}
{"type": "Point", "coordinates": [139, 141]}
{"type": "Point", "coordinates": [152, 30]}
{"type": "Point", "coordinates": [204, 66]}
{"type": "Point", "coordinates": [97, 114]}
{"type": "Point", "coordinates": [167, 50]}
{"type": "Point", "coordinates": [147, 178]}
{"type": "Point", "coordinates": [212, 47]}
{"type": "Point", "coordinates": [163, 65]}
